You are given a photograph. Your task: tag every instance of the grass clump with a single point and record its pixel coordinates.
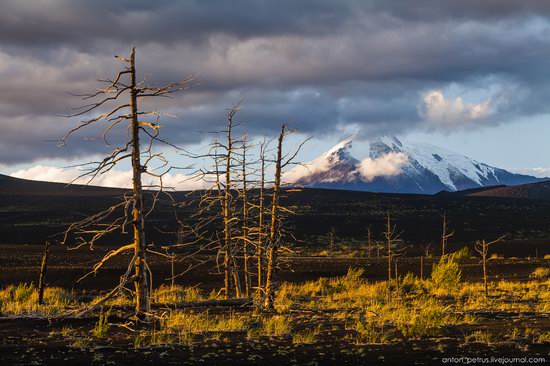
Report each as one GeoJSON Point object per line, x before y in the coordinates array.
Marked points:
{"type": "Point", "coordinates": [480, 337]}
{"type": "Point", "coordinates": [102, 325]}
{"type": "Point", "coordinates": [176, 294]}
{"type": "Point", "coordinates": [425, 322]}
{"type": "Point", "coordinates": [305, 336]}
{"type": "Point", "coordinates": [277, 325]}
{"type": "Point", "coordinates": [23, 299]}
{"type": "Point", "coordinates": [367, 332]}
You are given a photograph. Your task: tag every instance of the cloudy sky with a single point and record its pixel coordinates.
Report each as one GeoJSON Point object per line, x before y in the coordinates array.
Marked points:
{"type": "Point", "coordinates": [469, 75]}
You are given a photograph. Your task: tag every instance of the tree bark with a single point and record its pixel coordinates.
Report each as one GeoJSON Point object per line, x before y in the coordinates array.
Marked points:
{"type": "Point", "coordinates": [42, 275]}
{"type": "Point", "coordinates": [246, 260]}
{"type": "Point", "coordinates": [141, 280]}
{"type": "Point", "coordinates": [259, 250]}
{"type": "Point", "coordinates": [274, 227]}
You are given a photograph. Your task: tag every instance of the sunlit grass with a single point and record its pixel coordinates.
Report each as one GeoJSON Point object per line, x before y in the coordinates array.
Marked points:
{"type": "Point", "coordinates": [23, 300]}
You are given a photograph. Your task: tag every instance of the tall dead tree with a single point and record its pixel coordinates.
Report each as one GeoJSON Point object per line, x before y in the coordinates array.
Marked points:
{"type": "Point", "coordinates": [482, 247]}
{"type": "Point", "coordinates": [245, 238]}
{"type": "Point", "coordinates": [260, 226]}
{"type": "Point", "coordinates": [274, 226]}
{"type": "Point", "coordinates": [445, 235]}
{"type": "Point", "coordinates": [229, 260]}
{"type": "Point", "coordinates": [125, 114]}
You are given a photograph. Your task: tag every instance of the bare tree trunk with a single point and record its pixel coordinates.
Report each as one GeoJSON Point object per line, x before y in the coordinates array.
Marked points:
{"type": "Point", "coordinates": [485, 270]}
{"type": "Point", "coordinates": [445, 235]}
{"type": "Point", "coordinates": [369, 242]}
{"type": "Point", "coordinates": [246, 269]}
{"type": "Point", "coordinates": [482, 247]}
{"type": "Point", "coordinates": [229, 260]}
{"type": "Point", "coordinates": [172, 258]}
{"type": "Point", "coordinates": [141, 280]}
{"type": "Point", "coordinates": [389, 245]}
{"type": "Point", "coordinates": [259, 249]}
{"type": "Point", "coordinates": [274, 227]}
{"type": "Point", "coordinates": [332, 234]}
{"type": "Point", "coordinates": [42, 275]}
{"type": "Point", "coordinates": [421, 267]}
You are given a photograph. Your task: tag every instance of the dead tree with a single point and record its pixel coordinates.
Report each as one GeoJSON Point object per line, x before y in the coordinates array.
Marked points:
{"type": "Point", "coordinates": [228, 218]}
{"type": "Point", "coordinates": [260, 242]}
{"type": "Point", "coordinates": [392, 245]}
{"type": "Point", "coordinates": [274, 226]}
{"type": "Point", "coordinates": [42, 274]}
{"type": "Point", "coordinates": [445, 235]}
{"type": "Point", "coordinates": [332, 236]}
{"type": "Point", "coordinates": [143, 161]}
{"type": "Point", "coordinates": [482, 247]}
{"type": "Point", "coordinates": [245, 229]}
{"type": "Point", "coordinates": [369, 241]}
{"type": "Point", "coordinates": [275, 230]}
{"type": "Point", "coordinates": [426, 249]}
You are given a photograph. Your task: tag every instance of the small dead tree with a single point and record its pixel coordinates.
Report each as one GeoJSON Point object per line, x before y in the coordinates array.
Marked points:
{"type": "Point", "coordinates": [393, 239]}
{"type": "Point", "coordinates": [143, 162]}
{"type": "Point", "coordinates": [369, 241]}
{"type": "Point", "coordinates": [332, 236]}
{"type": "Point", "coordinates": [42, 274]}
{"type": "Point", "coordinates": [482, 247]}
{"type": "Point", "coordinates": [445, 234]}
{"type": "Point", "coordinates": [426, 249]}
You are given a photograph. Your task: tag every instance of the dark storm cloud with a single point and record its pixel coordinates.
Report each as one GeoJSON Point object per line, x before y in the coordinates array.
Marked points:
{"type": "Point", "coordinates": [380, 66]}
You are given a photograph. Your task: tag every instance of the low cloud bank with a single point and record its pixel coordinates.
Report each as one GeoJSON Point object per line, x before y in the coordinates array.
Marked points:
{"type": "Point", "coordinates": [118, 179]}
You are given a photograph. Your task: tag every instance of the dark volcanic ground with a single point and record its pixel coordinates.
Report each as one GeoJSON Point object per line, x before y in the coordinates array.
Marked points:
{"type": "Point", "coordinates": [20, 263]}
{"type": "Point", "coordinates": [31, 212]}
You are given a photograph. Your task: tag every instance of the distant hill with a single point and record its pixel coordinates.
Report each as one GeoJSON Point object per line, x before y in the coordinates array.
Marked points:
{"type": "Point", "coordinates": [16, 186]}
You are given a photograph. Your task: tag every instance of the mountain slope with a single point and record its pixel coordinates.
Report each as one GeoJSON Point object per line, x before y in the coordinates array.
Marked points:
{"type": "Point", "coordinates": [398, 166]}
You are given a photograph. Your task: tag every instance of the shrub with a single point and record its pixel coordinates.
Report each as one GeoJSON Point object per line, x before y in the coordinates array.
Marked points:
{"type": "Point", "coordinates": [462, 254]}
{"type": "Point", "coordinates": [425, 322]}
{"type": "Point", "coordinates": [409, 284]}
{"type": "Point", "coordinates": [446, 274]}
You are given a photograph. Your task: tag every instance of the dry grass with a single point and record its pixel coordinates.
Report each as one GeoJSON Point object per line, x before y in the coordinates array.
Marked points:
{"type": "Point", "coordinates": [23, 300]}
{"type": "Point", "coordinates": [277, 325]}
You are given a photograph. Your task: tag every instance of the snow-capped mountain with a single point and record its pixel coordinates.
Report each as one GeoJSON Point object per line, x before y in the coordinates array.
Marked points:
{"type": "Point", "coordinates": [399, 166]}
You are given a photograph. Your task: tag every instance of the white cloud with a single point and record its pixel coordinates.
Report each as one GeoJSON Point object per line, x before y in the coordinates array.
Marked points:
{"type": "Point", "coordinates": [447, 112]}
{"type": "Point", "coordinates": [537, 172]}
{"type": "Point", "coordinates": [114, 178]}
{"type": "Point", "coordinates": [389, 164]}
{"type": "Point", "coordinates": [319, 165]}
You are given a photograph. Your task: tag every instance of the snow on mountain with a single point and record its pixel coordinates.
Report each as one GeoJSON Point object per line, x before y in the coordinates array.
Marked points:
{"type": "Point", "coordinates": [395, 165]}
